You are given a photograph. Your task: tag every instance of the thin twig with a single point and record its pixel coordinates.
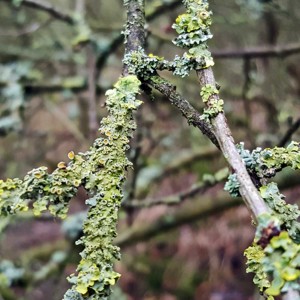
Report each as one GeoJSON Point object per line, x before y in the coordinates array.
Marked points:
{"type": "Point", "coordinates": [191, 192]}
{"type": "Point", "coordinates": [92, 95]}
{"type": "Point", "coordinates": [292, 129]}
{"type": "Point", "coordinates": [187, 110]}
{"type": "Point", "coordinates": [49, 8]}
{"type": "Point", "coordinates": [259, 52]}
{"type": "Point", "coordinates": [204, 207]}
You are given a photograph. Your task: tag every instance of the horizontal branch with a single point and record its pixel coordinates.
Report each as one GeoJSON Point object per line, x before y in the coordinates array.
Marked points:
{"type": "Point", "coordinates": [201, 208]}
{"type": "Point", "coordinates": [49, 8]}
{"type": "Point", "coordinates": [180, 197]}
{"type": "Point", "coordinates": [258, 52]}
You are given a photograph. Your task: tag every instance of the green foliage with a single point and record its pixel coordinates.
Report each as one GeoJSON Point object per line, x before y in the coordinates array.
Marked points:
{"type": "Point", "coordinates": [101, 171]}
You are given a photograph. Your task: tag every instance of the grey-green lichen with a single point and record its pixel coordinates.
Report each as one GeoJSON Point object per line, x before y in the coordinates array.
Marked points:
{"type": "Point", "coordinates": [287, 214]}
{"type": "Point", "coordinates": [232, 185]}
{"type": "Point", "coordinates": [273, 160]}
{"type": "Point", "coordinates": [101, 171]}
{"type": "Point", "coordinates": [193, 27]}
{"type": "Point", "coordinates": [274, 256]}
{"type": "Point", "coordinates": [146, 65]}
{"type": "Point", "coordinates": [214, 105]}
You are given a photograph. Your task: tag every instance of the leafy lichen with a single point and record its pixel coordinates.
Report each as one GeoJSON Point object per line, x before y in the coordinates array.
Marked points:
{"type": "Point", "coordinates": [101, 171]}
{"type": "Point", "coordinates": [214, 105]}
{"type": "Point", "coordinates": [276, 267]}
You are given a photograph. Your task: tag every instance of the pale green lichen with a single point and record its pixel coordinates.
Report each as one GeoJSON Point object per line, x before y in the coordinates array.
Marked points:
{"type": "Point", "coordinates": [144, 65]}
{"type": "Point", "coordinates": [287, 214]}
{"type": "Point", "coordinates": [214, 105]}
{"type": "Point", "coordinates": [255, 255]}
{"type": "Point", "coordinates": [273, 160]}
{"type": "Point", "coordinates": [101, 171]}
{"type": "Point", "coordinates": [193, 26]}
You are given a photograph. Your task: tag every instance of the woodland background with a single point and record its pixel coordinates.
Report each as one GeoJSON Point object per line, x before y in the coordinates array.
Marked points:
{"type": "Point", "coordinates": [52, 99]}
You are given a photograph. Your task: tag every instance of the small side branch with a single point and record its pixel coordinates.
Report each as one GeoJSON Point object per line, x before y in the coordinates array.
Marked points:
{"type": "Point", "coordinates": [200, 209]}
{"type": "Point", "coordinates": [49, 8]}
{"type": "Point", "coordinates": [259, 52]}
{"type": "Point", "coordinates": [187, 110]}
{"type": "Point", "coordinates": [295, 126]}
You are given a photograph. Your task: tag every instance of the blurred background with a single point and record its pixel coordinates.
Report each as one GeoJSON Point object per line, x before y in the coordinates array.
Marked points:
{"type": "Point", "coordinates": [181, 236]}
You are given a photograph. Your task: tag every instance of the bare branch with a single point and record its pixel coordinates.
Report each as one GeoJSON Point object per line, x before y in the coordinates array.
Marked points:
{"type": "Point", "coordinates": [293, 128]}
{"type": "Point", "coordinates": [49, 8]}
{"type": "Point", "coordinates": [259, 52]}
{"type": "Point", "coordinates": [202, 208]}
{"type": "Point", "coordinates": [191, 192]}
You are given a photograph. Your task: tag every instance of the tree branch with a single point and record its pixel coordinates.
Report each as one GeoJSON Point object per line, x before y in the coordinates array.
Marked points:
{"type": "Point", "coordinates": [188, 111]}
{"type": "Point", "coordinates": [49, 8]}
{"type": "Point", "coordinates": [223, 134]}
{"type": "Point", "coordinates": [259, 52]}
{"type": "Point", "coordinates": [180, 197]}
{"type": "Point", "coordinates": [202, 208]}
{"type": "Point", "coordinates": [294, 127]}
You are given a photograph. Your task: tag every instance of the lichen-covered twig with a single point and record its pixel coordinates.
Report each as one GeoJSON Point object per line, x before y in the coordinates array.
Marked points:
{"type": "Point", "coordinates": [223, 134]}
{"type": "Point", "coordinates": [188, 111]}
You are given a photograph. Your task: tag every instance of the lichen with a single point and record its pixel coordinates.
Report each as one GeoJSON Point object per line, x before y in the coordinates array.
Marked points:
{"type": "Point", "coordinates": [101, 171]}
{"type": "Point", "coordinates": [214, 105]}
{"type": "Point", "coordinates": [144, 65]}
{"type": "Point", "coordinates": [276, 267]}
{"type": "Point", "coordinates": [287, 214]}
{"type": "Point", "coordinates": [193, 27]}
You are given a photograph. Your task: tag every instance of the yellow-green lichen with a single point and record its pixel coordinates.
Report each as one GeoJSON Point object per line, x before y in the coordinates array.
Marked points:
{"type": "Point", "coordinates": [101, 171]}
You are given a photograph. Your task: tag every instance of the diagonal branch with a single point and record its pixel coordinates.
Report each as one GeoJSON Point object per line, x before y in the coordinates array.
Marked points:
{"type": "Point", "coordinates": [223, 134]}
{"type": "Point", "coordinates": [188, 111]}
{"type": "Point", "coordinates": [293, 128]}
{"type": "Point", "coordinates": [49, 8]}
